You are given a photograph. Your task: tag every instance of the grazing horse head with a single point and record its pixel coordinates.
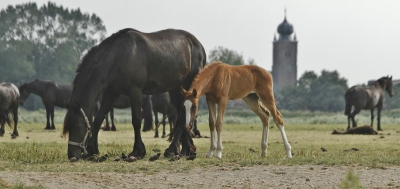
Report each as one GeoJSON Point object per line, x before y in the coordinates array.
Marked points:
{"type": "Point", "coordinates": [191, 102]}
{"type": "Point", "coordinates": [24, 92]}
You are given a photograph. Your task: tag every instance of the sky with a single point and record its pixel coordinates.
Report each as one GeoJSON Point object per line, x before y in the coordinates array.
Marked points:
{"type": "Point", "coordinates": [358, 38]}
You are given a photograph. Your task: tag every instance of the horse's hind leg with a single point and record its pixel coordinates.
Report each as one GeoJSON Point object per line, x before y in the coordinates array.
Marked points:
{"type": "Point", "coordinates": [267, 99]}
{"type": "Point", "coordinates": [164, 123]}
{"type": "Point", "coordinates": [3, 121]}
{"type": "Point", "coordinates": [113, 128]}
{"type": "Point", "coordinates": [47, 117]}
{"type": "Point", "coordinates": [353, 114]}
{"type": "Point", "coordinates": [52, 117]}
{"type": "Point", "coordinates": [15, 117]}
{"type": "Point", "coordinates": [372, 117]}
{"type": "Point", "coordinates": [252, 101]}
{"type": "Point", "coordinates": [157, 124]}
{"type": "Point", "coordinates": [218, 125]}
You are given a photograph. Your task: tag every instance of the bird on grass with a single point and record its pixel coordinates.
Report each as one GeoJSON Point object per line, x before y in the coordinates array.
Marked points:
{"type": "Point", "coordinates": [102, 158]}
{"type": "Point", "coordinates": [123, 156]}
{"type": "Point", "coordinates": [324, 150]}
{"type": "Point", "coordinates": [155, 157]}
{"type": "Point", "coordinates": [156, 150]}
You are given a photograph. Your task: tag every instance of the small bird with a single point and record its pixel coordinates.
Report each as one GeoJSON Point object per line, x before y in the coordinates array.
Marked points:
{"type": "Point", "coordinates": [252, 150]}
{"type": "Point", "coordinates": [155, 157]}
{"type": "Point", "coordinates": [123, 156]}
{"type": "Point", "coordinates": [102, 158]}
{"type": "Point", "coordinates": [324, 150]}
{"type": "Point", "coordinates": [191, 156]}
{"type": "Point", "coordinates": [130, 159]}
{"type": "Point", "coordinates": [156, 150]}
{"type": "Point", "coordinates": [355, 149]}
{"type": "Point", "coordinates": [117, 158]}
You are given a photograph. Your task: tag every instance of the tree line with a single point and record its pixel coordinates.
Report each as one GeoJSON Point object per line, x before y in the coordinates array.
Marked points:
{"type": "Point", "coordinates": [48, 42]}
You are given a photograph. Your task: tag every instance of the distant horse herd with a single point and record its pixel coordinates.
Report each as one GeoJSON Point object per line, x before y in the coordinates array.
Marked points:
{"type": "Point", "coordinates": [164, 72]}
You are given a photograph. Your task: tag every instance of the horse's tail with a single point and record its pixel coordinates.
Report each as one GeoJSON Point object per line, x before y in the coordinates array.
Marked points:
{"type": "Point", "coordinates": [10, 121]}
{"type": "Point", "coordinates": [348, 105]}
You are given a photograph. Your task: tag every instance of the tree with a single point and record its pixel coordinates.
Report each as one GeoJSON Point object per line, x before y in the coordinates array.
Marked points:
{"type": "Point", "coordinates": [315, 93]}
{"type": "Point", "coordinates": [48, 41]}
{"type": "Point", "coordinates": [45, 42]}
{"type": "Point", "coordinates": [228, 56]}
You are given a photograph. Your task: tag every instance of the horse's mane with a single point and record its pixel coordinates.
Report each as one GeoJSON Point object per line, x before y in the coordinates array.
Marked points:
{"type": "Point", "coordinates": [206, 70]}
{"type": "Point", "coordinates": [96, 53]}
{"type": "Point", "coordinates": [381, 81]}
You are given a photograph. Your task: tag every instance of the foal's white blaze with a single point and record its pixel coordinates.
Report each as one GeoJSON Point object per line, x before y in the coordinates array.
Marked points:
{"type": "Point", "coordinates": [188, 105]}
{"type": "Point", "coordinates": [285, 142]}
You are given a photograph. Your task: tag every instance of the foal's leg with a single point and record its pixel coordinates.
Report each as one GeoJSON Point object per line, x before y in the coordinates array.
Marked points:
{"type": "Point", "coordinates": [252, 101]}
{"type": "Point", "coordinates": [212, 111]}
{"type": "Point", "coordinates": [218, 125]}
{"type": "Point", "coordinates": [267, 99]}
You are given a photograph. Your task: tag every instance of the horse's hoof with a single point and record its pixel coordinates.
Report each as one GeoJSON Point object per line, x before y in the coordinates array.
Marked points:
{"type": "Point", "coordinates": [14, 136]}
{"type": "Point", "coordinates": [73, 159]}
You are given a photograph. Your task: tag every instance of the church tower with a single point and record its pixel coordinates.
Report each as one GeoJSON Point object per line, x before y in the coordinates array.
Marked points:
{"type": "Point", "coordinates": [284, 66]}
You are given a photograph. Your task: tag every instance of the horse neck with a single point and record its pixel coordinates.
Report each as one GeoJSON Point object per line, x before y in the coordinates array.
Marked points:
{"type": "Point", "coordinates": [202, 85]}
{"type": "Point", "coordinates": [37, 87]}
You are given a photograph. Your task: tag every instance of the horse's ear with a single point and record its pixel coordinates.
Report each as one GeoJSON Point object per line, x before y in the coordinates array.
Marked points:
{"type": "Point", "coordinates": [194, 93]}
{"type": "Point", "coordinates": [183, 91]}
{"type": "Point", "coordinates": [391, 77]}
{"type": "Point", "coordinates": [66, 104]}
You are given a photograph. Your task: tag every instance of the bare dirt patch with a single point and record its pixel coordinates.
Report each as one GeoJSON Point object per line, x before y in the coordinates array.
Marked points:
{"type": "Point", "coordinates": [306, 176]}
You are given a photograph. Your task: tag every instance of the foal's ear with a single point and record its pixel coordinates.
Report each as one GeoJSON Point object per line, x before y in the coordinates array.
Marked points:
{"type": "Point", "coordinates": [194, 93]}
{"type": "Point", "coordinates": [183, 91]}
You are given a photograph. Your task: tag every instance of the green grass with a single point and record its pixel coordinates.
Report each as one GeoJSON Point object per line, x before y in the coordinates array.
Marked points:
{"type": "Point", "coordinates": [37, 149]}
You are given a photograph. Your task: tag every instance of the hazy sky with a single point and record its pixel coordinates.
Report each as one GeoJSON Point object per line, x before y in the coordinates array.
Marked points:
{"type": "Point", "coordinates": [358, 38]}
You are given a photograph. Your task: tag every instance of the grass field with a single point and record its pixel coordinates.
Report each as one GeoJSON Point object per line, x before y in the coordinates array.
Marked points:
{"type": "Point", "coordinates": [37, 149]}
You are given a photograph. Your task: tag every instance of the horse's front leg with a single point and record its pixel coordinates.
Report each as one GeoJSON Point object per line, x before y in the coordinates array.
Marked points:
{"type": "Point", "coordinates": [139, 149]}
{"type": "Point", "coordinates": [218, 125]}
{"type": "Point", "coordinates": [52, 117]}
{"type": "Point", "coordinates": [3, 121]}
{"type": "Point", "coordinates": [47, 117]}
{"type": "Point", "coordinates": [106, 104]}
{"type": "Point", "coordinates": [379, 118]}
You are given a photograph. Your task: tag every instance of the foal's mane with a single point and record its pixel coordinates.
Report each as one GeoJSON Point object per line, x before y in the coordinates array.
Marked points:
{"type": "Point", "coordinates": [206, 70]}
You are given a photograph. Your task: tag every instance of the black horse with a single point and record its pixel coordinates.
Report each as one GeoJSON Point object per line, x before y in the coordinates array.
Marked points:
{"type": "Point", "coordinates": [52, 94]}
{"type": "Point", "coordinates": [122, 102]}
{"type": "Point", "coordinates": [367, 98]}
{"type": "Point", "coordinates": [9, 103]}
{"type": "Point", "coordinates": [130, 62]}
{"type": "Point", "coordinates": [161, 103]}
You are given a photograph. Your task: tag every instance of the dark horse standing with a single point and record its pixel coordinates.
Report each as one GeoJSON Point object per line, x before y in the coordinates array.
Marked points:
{"type": "Point", "coordinates": [367, 98]}
{"type": "Point", "coordinates": [130, 62]}
{"type": "Point", "coordinates": [9, 102]}
{"type": "Point", "coordinates": [123, 102]}
{"type": "Point", "coordinates": [52, 94]}
{"type": "Point", "coordinates": [161, 103]}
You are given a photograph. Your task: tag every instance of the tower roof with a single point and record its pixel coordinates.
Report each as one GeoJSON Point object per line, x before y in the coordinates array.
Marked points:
{"type": "Point", "coordinates": [285, 28]}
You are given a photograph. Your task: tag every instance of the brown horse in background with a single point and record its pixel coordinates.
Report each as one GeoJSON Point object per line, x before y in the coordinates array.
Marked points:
{"type": "Point", "coordinates": [221, 82]}
{"type": "Point", "coordinates": [9, 103]}
{"type": "Point", "coordinates": [367, 98]}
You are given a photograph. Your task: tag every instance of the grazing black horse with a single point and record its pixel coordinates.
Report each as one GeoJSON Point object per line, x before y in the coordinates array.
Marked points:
{"type": "Point", "coordinates": [131, 62]}
{"type": "Point", "coordinates": [367, 98]}
{"type": "Point", "coordinates": [122, 102]}
{"type": "Point", "coordinates": [9, 102]}
{"type": "Point", "coordinates": [161, 103]}
{"type": "Point", "coordinates": [52, 94]}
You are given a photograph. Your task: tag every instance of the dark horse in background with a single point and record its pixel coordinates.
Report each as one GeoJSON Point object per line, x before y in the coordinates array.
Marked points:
{"type": "Point", "coordinates": [161, 103]}
{"type": "Point", "coordinates": [9, 103]}
{"type": "Point", "coordinates": [131, 62]}
{"type": "Point", "coordinates": [52, 94]}
{"type": "Point", "coordinates": [367, 98]}
{"type": "Point", "coordinates": [122, 102]}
